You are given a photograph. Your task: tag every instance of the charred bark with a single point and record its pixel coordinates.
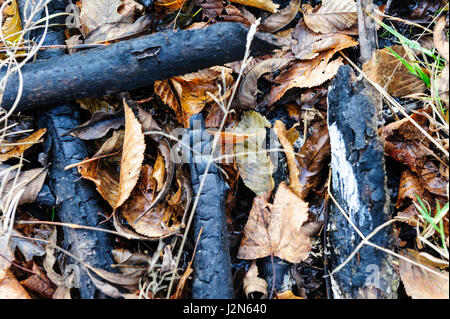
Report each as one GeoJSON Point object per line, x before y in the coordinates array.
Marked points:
{"type": "Point", "coordinates": [76, 200]}
{"type": "Point", "coordinates": [130, 64]}
{"type": "Point", "coordinates": [212, 263]}
{"type": "Point", "coordinates": [359, 186]}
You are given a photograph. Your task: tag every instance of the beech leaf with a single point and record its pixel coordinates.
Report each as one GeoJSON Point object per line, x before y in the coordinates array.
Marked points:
{"type": "Point", "coordinates": [267, 5]}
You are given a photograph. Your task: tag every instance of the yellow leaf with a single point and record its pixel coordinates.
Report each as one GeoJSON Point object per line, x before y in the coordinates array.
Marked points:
{"type": "Point", "coordinates": [14, 150]}
{"type": "Point", "coordinates": [267, 5]}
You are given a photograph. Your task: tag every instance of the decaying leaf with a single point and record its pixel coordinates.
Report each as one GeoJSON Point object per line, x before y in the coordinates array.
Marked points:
{"type": "Point", "coordinates": [439, 35]}
{"type": "Point", "coordinates": [253, 283]}
{"type": "Point", "coordinates": [249, 85]}
{"type": "Point", "coordinates": [308, 44]}
{"type": "Point", "coordinates": [11, 22]}
{"type": "Point", "coordinates": [187, 94]}
{"type": "Point", "coordinates": [95, 13]}
{"type": "Point", "coordinates": [276, 228]}
{"type": "Point", "coordinates": [132, 156]}
{"type": "Point", "coordinates": [282, 18]}
{"type": "Point", "coordinates": [253, 163]}
{"type": "Point", "coordinates": [422, 284]}
{"type": "Point", "coordinates": [39, 283]}
{"type": "Point", "coordinates": [210, 8]}
{"type": "Point", "coordinates": [93, 105]}
{"type": "Point", "coordinates": [240, 15]}
{"type": "Point", "coordinates": [332, 16]}
{"type": "Point", "coordinates": [10, 288]}
{"type": "Point", "coordinates": [294, 173]}
{"type": "Point", "coordinates": [305, 74]}
{"type": "Point", "coordinates": [30, 180]}
{"type": "Point", "coordinates": [98, 126]}
{"type": "Point", "coordinates": [113, 31]}
{"type": "Point", "coordinates": [267, 5]}
{"type": "Point", "coordinates": [386, 70]}
{"type": "Point", "coordinates": [14, 150]}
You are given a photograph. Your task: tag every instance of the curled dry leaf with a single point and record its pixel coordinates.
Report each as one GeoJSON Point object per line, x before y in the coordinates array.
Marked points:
{"type": "Point", "coordinates": [253, 283]}
{"type": "Point", "coordinates": [253, 162]}
{"type": "Point", "coordinates": [267, 5]}
{"type": "Point", "coordinates": [294, 173]}
{"type": "Point", "coordinates": [98, 126]}
{"type": "Point", "coordinates": [187, 94]}
{"type": "Point", "coordinates": [276, 228]}
{"type": "Point", "coordinates": [31, 180]}
{"type": "Point", "coordinates": [282, 18]}
{"type": "Point", "coordinates": [307, 44]}
{"type": "Point", "coordinates": [16, 149]}
{"type": "Point", "coordinates": [332, 16]}
{"type": "Point", "coordinates": [241, 15]}
{"type": "Point", "coordinates": [117, 30]}
{"type": "Point", "coordinates": [249, 85]}
{"type": "Point", "coordinates": [39, 283]}
{"type": "Point", "coordinates": [169, 5]}
{"type": "Point", "coordinates": [420, 283]}
{"type": "Point", "coordinates": [386, 70]}
{"type": "Point", "coordinates": [304, 74]}
{"type": "Point", "coordinates": [288, 294]}
{"type": "Point", "coordinates": [439, 35]}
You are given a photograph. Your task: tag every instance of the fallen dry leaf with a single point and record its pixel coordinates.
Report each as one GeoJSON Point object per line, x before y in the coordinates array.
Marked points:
{"type": "Point", "coordinates": [276, 228]}
{"type": "Point", "coordinates": [31, 180]}
{"type": "Point", "coordinates": [248, 88]}
{"type": "Point", "coordinates": [16, 149]}
{"type": "Point", "coordinates": [307, 44]}
{"type": "Point", "coordinates": [282, 18]}
{"type": "Point", "coordinates": [439, 35]}
{"type": "Point", "coordinates": [95, 13]}
{"type": "Point", "coordinates": [98, 126]}
{"type": "Point", "coordinates": [305, 74]}
{"type": "Point", "coordinates": [253, 283]}
{"type": "Point", "coordinates": [422, 284]}
{"type": "Point", "coordinates": [267, 5]}
{"type": "Point", "coordinates": [386, 70]}
{"type": "Point", "coordinates": [253, 163]}
{"type": "Point", "coordinates": [210, 8]}
{"type": "Point", "coordinates": [132, 156]}
{"type": "Point", "coordinates": [10, 288]}
{"type": "Point", "coordinates": [169, 5]}
{"type": "Point", "coordinates": [187, 94]}
{"type": "Point", "coordinates": [288, 294]}
{"type": "Point", "coordinates": [294, 173]}
{"type": "Point", "coordinates": [39, 283]}
{"type": "Point", "coordinates": [332, 16]}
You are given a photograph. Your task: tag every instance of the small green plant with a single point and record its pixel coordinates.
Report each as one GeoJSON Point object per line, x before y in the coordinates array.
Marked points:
{"type": "Point", "coordinates": [435, 222]}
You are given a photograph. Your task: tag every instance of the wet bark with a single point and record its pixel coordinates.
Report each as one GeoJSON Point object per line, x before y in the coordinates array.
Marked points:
{"type": "Point", "coordinates": [359, 186]}
{"type": "Point", "coordinates": [130, 64]}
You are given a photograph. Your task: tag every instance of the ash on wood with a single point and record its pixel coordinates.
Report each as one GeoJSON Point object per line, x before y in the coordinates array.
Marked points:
{"type": "Point", "coordinates": [359, 186]}
{"type": "Point", "coordinates": [212, 263]}
{"type": "Point", "coordinates": [131, 64]}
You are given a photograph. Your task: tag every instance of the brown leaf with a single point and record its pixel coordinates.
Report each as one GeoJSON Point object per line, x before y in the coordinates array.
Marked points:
{"type": "Point", "coordinates": [95, 13]}
{"type": "Point", "coordinates": [39, 284]}
{"type": "Point", "coordinates": [253, 283]}
{"type": "Point", "coordinates": [159, 172]}
{"type": "Point", "coordinates": [117, 30]}
{"type": "Point", "coordinates": [210, 8]}
{"type": "Point", "coordinates": [31, 180]}
{"type": "Point", "coordinates": [386, 70]}
{"type": "Point", "coordinates": [267, 5]}
{"type": "Point", "coordinates": [15, 150]}
{"type": "Point", "coordinates": [305, 74]}
{"type": "Point", "coordinates": [294, 173]}
{"type": "Point", "coordinates": [309, 44]}
{"type": "Point", "coordinates": [278, 229]}
{"type": "Point", "coordinates": [282, 18]}
{"type": "Point", "coordinates": [169, 5]}
{"type": "Point", "coordinates": [10, 288]}
{"type": "Point", "coordinates": [98, 126]}
{"type": "Point", "coordinates": [132, 156]}
{"type": "Point", "coordinates": [94, 105]}
{"type": "Point", "coordinates": [422, 284]}
{"type": "Point", "coordinates": [439, 35]}
{"type": "Point", "coordinates": [187, 94]}
{"type": "Point", "coordinates": [313, 156]}
{"type": "Point", "coordinates": [253, 163]}
{"type": "Point", "coordinates": [238, 15]}
{"type": "Point", "coordinates": [248, 88]}
{"type": "Point", "coordinates": [332, 16]}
